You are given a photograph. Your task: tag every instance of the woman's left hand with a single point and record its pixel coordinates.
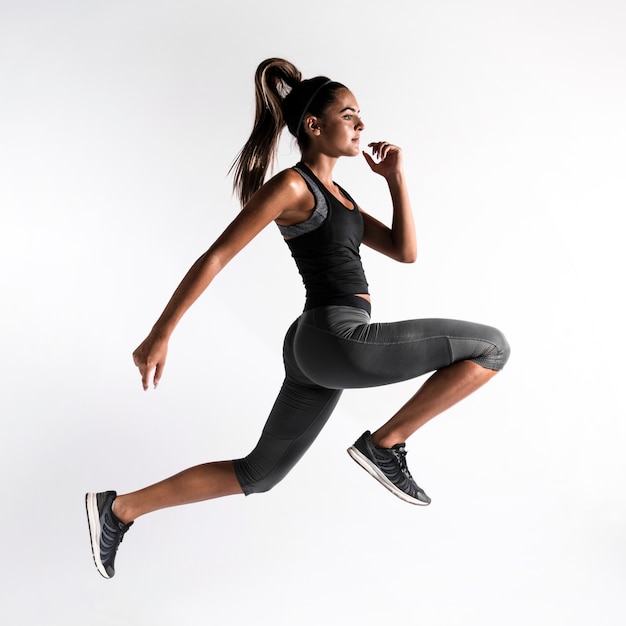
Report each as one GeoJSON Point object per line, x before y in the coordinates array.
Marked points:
{"type": "Point", "coordinates": [389, 158]}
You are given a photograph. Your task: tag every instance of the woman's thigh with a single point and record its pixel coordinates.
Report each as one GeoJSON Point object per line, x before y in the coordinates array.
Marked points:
{"type": "Point", "coordinates": [298, 415]}
{"type": "Point", "coordinates": [338, 348]}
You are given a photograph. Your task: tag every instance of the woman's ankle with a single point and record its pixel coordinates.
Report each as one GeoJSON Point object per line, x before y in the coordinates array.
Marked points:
{"type": "Point", "coordinates": [384, 440]}
{"type": "Point", "coordinates": [121, 511]}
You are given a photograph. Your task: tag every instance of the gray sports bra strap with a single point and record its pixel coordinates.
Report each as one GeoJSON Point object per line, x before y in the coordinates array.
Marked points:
{"type": "Point", "coordinates": [320, 211]}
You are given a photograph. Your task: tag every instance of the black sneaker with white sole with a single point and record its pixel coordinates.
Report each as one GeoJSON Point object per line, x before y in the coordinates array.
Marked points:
{"type": "Point", "coordinates": [105, 530]}
{"type": "Point", "coordinates": [388, 467]}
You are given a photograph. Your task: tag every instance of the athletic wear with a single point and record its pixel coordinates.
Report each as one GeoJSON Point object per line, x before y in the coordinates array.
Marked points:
{"type": "Point", "coordinates": [320, 208]}
{"type": "Point", "coordinates": [326, 246]}
{"type": "Point", "coordinates": [105, 529]}
{"type": "Point", "coordinates": [331, 348]}
{"type": "Point", "coordinates": [388, 467]}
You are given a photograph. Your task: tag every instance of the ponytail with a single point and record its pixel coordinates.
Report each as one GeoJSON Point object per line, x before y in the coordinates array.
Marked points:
{"type": "Point", "coordinates": [282, 99]}
{"type": "Point", "coordinates": [273, 80]}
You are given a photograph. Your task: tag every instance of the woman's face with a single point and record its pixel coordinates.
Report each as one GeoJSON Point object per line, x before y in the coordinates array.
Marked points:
{"type": "Point", "coordinates": [337, 132]}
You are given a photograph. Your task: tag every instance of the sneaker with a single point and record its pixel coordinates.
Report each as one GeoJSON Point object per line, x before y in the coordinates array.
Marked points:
{"type": "Point", "coordinates": [105, 529]}
{"type": "Point", "coordinates": [388, 467]}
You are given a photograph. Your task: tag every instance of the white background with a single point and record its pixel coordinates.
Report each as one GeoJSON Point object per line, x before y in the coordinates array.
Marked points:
{"type": "Point", "coordinates": [118, 122]}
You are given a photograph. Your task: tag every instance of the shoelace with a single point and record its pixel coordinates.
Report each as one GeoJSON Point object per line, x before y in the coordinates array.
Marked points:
{"type": "Point", "coordinates": [123, 530]}
{"type": "Point", "coordinates": [400, 454]}
{"type": "Point", "coordinates": [116, 534]}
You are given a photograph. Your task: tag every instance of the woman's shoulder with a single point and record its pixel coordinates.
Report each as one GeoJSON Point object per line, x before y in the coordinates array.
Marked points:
{"type": "Point", "coordinates": [288, 191]}
{"type": "Point", "coordinates": [289, 181]}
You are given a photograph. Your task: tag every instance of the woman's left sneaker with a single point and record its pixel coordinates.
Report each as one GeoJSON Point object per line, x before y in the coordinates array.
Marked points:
{"type": "Point", "coordinates": [105, 530]}
{"type": "Point", "coordinates": [388, 466]}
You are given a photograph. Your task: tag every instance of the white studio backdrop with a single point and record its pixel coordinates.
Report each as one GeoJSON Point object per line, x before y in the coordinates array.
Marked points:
{"type": "Point", "coordinates": [118, 122]}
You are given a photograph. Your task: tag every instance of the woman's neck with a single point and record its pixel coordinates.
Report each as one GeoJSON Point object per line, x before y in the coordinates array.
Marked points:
{"type": "Point", "coordinates": [321, 165]}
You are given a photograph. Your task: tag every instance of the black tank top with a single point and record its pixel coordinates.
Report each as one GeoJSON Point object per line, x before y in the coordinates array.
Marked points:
{"type": "Point", "coordinates": [326, 246]}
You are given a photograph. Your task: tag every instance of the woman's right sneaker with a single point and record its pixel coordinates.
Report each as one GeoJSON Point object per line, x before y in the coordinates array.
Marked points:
{"type": "Point", "coordinates": [105, 530]}
{"type": "Point", "coordinates": [388, 467]}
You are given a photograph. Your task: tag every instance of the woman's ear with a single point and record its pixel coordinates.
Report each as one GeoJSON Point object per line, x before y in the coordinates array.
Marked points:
{"type": "Point", "coordinates": [312, 125]}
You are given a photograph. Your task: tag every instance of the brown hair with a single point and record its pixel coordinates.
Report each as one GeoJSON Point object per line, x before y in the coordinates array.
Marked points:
{"type": "Point", "coordinates": [282, 99]}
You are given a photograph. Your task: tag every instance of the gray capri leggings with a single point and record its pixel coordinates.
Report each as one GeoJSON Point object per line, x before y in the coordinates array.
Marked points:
{"type": "Point", "coordinates": [331, 348]}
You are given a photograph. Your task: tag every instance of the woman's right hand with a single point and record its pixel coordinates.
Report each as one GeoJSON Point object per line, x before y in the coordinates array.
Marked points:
{"type": "Point", "coordinates": [151, 355]}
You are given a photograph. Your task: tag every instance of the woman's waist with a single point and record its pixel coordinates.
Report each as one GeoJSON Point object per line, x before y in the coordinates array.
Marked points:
{"type": "Point", "coordinates": [357, 300]}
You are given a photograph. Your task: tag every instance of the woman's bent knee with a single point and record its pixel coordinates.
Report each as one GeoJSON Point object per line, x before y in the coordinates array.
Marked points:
{"type": "Point", "coordinates": [253, 478]}
{"type": "Point", "coordinates": [498, 352]}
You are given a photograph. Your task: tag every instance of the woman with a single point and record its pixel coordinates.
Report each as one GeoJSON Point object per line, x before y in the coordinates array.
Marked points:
{"type": "Point", "coordinates": [332, 345]}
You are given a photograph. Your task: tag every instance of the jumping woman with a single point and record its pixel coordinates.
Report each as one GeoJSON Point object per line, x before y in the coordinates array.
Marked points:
{"type": "Point", "coordinates": [333, 345]}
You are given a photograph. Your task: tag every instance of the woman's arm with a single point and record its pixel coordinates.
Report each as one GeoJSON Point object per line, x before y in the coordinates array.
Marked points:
{"type": "Point", "coordinates": [399, 241]}
{"type": "Point", "coordinates": [281, 193]}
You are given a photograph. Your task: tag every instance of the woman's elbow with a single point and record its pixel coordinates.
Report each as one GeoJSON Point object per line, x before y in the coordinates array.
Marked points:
{"type": "Point", "coordinates": [408, 256]}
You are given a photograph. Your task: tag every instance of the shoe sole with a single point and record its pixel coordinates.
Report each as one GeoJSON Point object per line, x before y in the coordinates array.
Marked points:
{"type": "Point", "coordinates": [95, 530]}
{"type": "Point", "coordinates": [373, 470]}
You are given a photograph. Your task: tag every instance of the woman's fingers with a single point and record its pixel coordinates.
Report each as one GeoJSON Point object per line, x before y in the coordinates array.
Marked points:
{"type": "Point", "coordinates": [158, 371]}
{"type": "Point", "coordinates": [385, 159]}
{"type": "Point", "coordinates": [381, 149]}
{"type": "Point", "coordinates": [369, 160]}
{"type": "Point", "coordinates": [149, 358]}
{"type": "Point", "coordinates": [144, 371]}
{"type": "Point", "coordinates": [376, 148]}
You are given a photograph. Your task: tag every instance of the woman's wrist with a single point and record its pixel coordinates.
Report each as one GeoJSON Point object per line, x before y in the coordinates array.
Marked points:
{"type": "Point", "coordinates": [396, 179]}
{"type": "Point", "coordinates": [161, 331]}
